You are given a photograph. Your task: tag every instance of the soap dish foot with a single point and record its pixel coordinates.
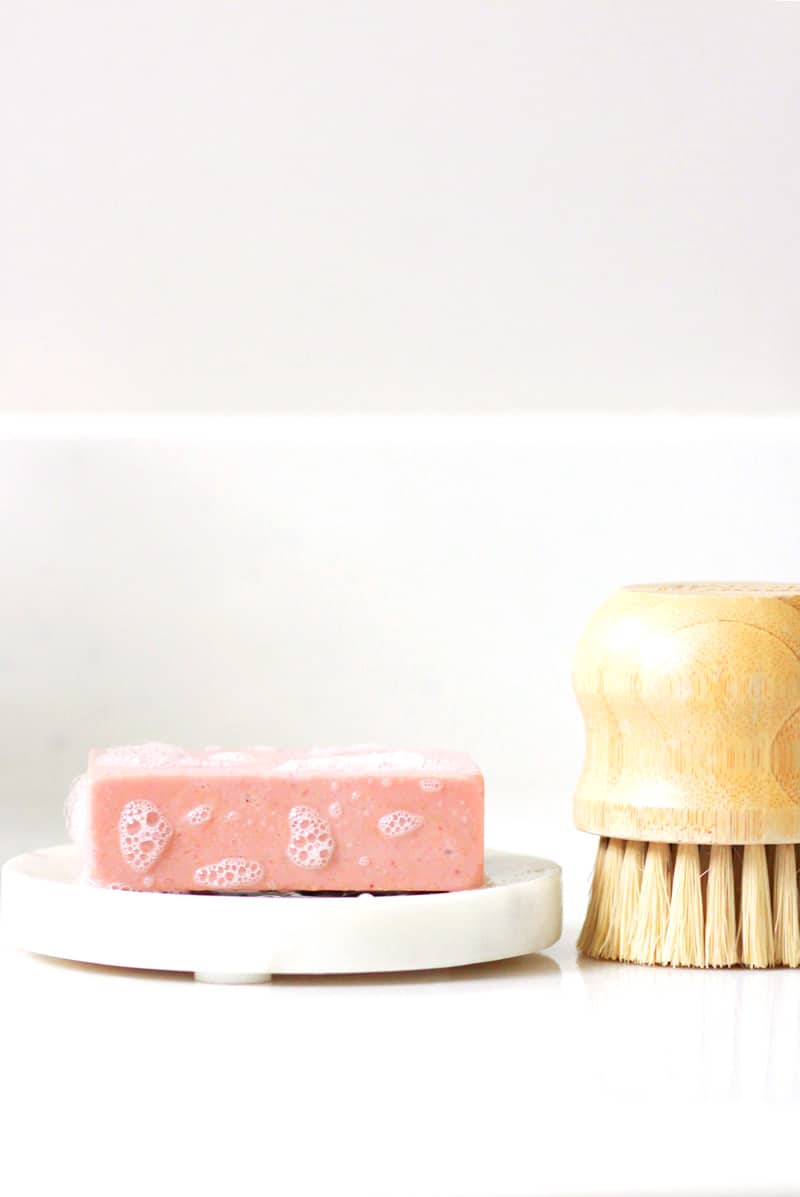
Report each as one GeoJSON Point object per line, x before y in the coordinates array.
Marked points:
{"type": "Point", "coordinates": [231, 978]}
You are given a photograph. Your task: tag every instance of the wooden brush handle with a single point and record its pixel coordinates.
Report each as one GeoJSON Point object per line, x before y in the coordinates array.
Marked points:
{"type": "Point", "coordinates": [691, 697]}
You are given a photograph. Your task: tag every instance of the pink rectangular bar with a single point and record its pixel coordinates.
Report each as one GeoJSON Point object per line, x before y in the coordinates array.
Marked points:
{"type": "Point", "coordinates": [158, 817]}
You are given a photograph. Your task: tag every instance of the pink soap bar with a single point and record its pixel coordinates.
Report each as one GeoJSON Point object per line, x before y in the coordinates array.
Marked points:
{"type": "Point", "coordinates": [158, 817]}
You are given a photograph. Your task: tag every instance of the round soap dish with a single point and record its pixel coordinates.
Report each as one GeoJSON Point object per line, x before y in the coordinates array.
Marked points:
{"type": "Point", "coordinates": [239, 939]}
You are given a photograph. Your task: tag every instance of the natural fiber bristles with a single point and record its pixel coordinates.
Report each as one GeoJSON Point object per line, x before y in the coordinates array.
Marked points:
{"type": "Point", "coordinates": [609, 915]}
{"type": "Point", "coordinates": [630, 885]}
{"type": "Point", "coordinates": [685, 942]}
{"type": "Point", "coordinates": [755, 915]}
{"type": "Point", "coordinates": [785, 907]}
{"type": "Point", "coordinates": [600, 934]}
{"type": "Point", "coordinates": [653, 914]}
{"type": "Point", "coordinates": [654, 904]}
{"type": "Point", "coordinates": [722, 945]}
{"type": "Point", "coordinates": [586, 939]}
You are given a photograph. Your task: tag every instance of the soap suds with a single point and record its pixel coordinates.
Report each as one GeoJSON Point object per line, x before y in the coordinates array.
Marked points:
{"type": "Point", "coordinates": [214, 758]}
{"type": "Point", "coordinates": [138, 756]}
{"type": "Point", "coordinates": [76, 810]}
{"type": "Point", "coordinates": [399, 822]}
{"type": "Point", "coordinates": [335, 810]}
{"type": "Point", "coordinates": [311, 842]}
{"type": "Point", "coordinates": [232, 872]}
{"type": "Point", "coordinates": [351, 761]}
{"type": "Point", "coordinates": [198, 814]}
{"type": "Point", "coordinates": [143, 833]}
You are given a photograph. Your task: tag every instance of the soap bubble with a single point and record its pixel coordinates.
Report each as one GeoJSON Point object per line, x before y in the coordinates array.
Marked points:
{"type": "Point", "coordinates": [198, 814]}
{"type": "Point", "coordinates": [311, 842]}
{"type": "Point", "coordinates": [399, 822]}
{"type": "Point", "coordinates": [143, 833]}
{"type": "Point", "coordinates": [232, 872]}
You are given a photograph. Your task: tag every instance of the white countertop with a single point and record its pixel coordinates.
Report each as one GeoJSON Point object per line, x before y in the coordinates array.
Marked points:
{"type": "Point", "coordinates": [543, 1075]}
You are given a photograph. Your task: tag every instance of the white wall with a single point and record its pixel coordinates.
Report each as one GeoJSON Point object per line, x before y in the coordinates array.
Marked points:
{"type": "Point", "coordinates": [313, 580]}
{"type": "Point", "coordinates": [435, 204]}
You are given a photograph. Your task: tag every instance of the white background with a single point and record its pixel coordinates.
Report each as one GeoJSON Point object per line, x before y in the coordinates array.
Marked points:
{"type": "Point", "coordinates": [436, 204]}
{"type": "Point", "coordinates": [489, 210]}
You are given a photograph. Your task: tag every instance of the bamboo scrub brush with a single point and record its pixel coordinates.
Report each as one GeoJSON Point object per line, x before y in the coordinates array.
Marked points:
{"type": "Point", "coordinates": [691, 698]}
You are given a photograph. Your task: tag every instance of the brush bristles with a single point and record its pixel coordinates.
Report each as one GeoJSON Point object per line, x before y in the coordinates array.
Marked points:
{"type": "Point", "coordinates": [607, 931]}
{"type": "Point", "coordinates": [685, 940]}
{"type": "Point", "coordinates": [785, 907]}
{"type": "Point", "coordinates": [653, 913]}
{"type": "Point", "coordinates": [630, 885]}
{"type": "Point", "coordinates": [755, 915]}
{"type": "Point", "coordinates": [722, 945]}
{"type": "Point", "coordinates": [668, 904]}
{"type": "Point", "coordinates": [586, 940]}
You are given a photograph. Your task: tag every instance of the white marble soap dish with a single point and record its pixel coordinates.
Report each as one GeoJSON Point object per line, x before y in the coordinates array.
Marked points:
{"type": "Point", "coordinates": [240, 939]}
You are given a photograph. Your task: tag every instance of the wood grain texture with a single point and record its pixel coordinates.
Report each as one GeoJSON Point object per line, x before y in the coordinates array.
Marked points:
{"type": "Point", "coordinates": [690, 694]}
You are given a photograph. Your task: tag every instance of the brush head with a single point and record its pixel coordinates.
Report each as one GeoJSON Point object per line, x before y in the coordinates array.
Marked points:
{"type": "Point", "coordinates": [690, 694]}
{"type": "Point", "coordinates": [684, 905]}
